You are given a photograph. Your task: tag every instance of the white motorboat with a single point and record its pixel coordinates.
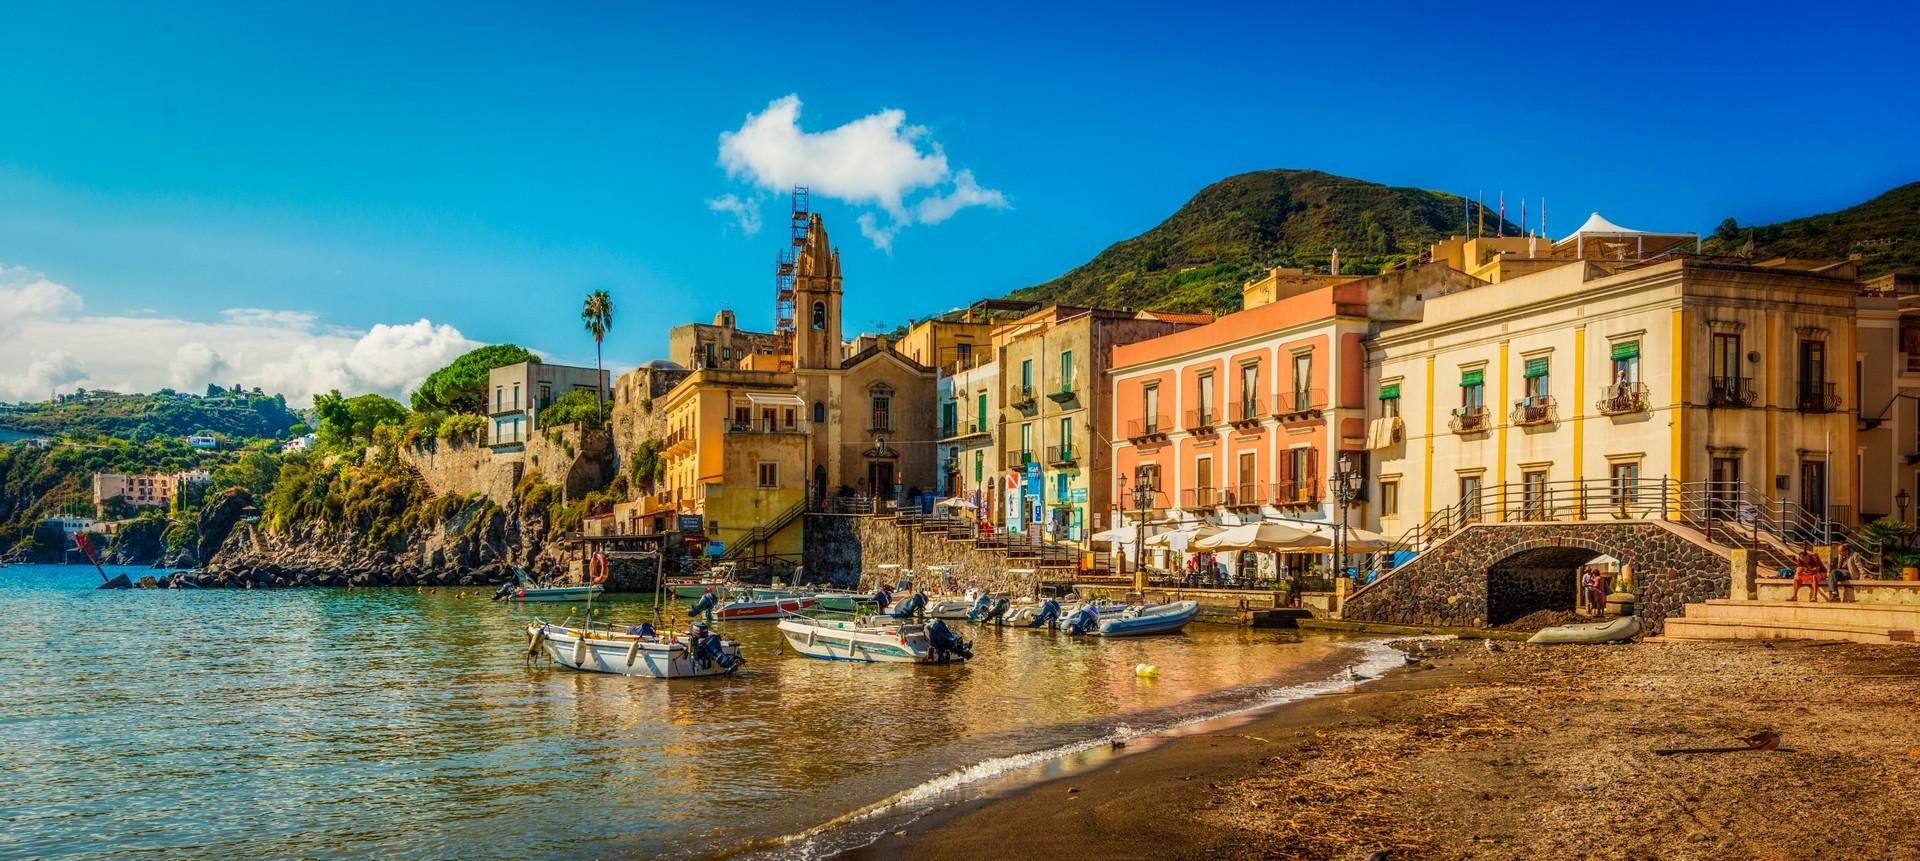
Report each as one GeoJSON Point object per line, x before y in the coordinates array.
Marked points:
{"type": "Point", "coordinates": [1144, 621]}
{"type": "Point", "coordinates": [631, 652]}
{"type": "Point", "coordinates": [952, 609]}
{"type": "Point", "coordinates": [871, 640]}
{"type": "Point", "coordinates": [768, 608]}
{"type": "Point", "coordinates": [553, 594]}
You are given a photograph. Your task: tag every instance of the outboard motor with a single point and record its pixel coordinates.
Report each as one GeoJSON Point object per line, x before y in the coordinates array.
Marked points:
{"type": "Point", "coordinates": [1049, 613]}
{"type": "Point", "coordinates": [910, 607]}
{"type": "Point", "coordinates": [999, 611]}
{"type": "Point", "coordinates": [506, 589]}
{"type": "Point", "coordinates": [703, 646]}
{"type": "Point", "coordinates": [946, 644]}
{"type": "Point", "coordinates": [1083, 620]}
{"type": "Point", "coordinates": [704, 606]}
{"type": "Point", "coordinates": [980, 608]}
{"type": "Point", "coordinates": [882, 598]}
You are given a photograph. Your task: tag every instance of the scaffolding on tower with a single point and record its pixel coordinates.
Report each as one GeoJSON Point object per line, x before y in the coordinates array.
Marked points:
{"type": "Point", "coordinates": [783, 271]}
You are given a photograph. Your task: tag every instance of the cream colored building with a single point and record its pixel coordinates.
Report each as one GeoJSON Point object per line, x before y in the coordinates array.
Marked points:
{"type": "Point", "coordinates": [1621, 374]}
{"type": "Point", "coordinates": [1888, 362]}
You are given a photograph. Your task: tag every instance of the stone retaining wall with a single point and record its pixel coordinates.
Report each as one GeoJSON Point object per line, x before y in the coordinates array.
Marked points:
{"type": "Point", "coordinates": [850, 548]}
{"type": "Point", "coordinates": [457, 469]}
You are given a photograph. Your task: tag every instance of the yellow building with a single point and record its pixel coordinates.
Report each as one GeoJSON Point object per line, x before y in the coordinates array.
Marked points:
{"type": "Point", "coordinates": [737, 454]}
{"type": "Point", "coordinates": [1589, 386]}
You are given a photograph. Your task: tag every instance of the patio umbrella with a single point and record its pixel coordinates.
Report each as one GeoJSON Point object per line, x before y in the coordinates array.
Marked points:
{"type": "Point", "coordinates": [1180, 539]}
{"type": "Point", "coordinates": [1358, 540]}
{"type": "Point", "coordinates": [955, 502]}
{"type": "Point", "coordinates": [1261, 536]}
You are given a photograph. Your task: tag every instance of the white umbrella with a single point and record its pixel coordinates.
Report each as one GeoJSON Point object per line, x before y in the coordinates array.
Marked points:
{"type": "Point", "coordinates": [1358, 540]}
{"type": "Point", "coordinates": [1179, 539]}
{"type": "Point", "coordinates": [1260, 536]}
{"type": "Point", "coordinates": [955, 502]}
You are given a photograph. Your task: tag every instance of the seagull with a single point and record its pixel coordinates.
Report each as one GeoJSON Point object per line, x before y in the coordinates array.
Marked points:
{"type": "Point", "coordinates": [1491, 647]}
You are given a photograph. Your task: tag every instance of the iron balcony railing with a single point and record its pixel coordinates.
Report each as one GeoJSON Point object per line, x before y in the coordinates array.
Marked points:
{"type": "Point", "coordinates": [1022, 397]}
{"type": "Point", "coordinates": [1817, 397]}
{"type": "Point", "coordinates": [1201, 421]}
{"type": "Point", "coordinates": [1020, 456]}
{"type": "Point", "coordinates": [1061, 455]}
{"type": "Point", "coordinates": [1064, 393]}
{"type": "Point", "coordinates": [1730, 392]}
{"type": "Point", "coordinates": [1202, 497]}
{"type": "Point", "coordinates": [1300, 402]}
{"type": "Point", "coordinates": [1150, 426]}
{"type": "Point", "coordinates": [1246, 495]}
{"type": "Point", "coordinates": [1468, 419]}
{"type": "Point", "coordinates": [1296, 491]}
{"type": "Point", "coordinates": [1247, 412]}
{"type": "Point", "coordinates": [1537, 410]}
{"type": "Point", "coordinates": [1621, 399]}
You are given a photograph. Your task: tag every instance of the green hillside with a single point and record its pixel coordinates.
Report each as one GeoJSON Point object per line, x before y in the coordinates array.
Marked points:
{"type": "Point", "coordinates": [1884, 232]}
{"type": "Point", "coordinates": [141, 417]}
{"type": "Point", "coordinates": [1197, 259]}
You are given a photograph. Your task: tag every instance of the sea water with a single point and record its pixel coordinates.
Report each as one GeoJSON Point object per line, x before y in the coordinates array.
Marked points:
{"type": "Point", "coordinates": [406, 723]}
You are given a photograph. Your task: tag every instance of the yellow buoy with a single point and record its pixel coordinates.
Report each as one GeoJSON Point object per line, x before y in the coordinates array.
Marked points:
{"type": "Point", "coordinates": [1146, 670]}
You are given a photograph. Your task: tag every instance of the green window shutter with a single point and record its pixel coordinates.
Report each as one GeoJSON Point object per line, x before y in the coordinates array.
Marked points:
{"type": "Point", "coordinates": [980, 415]}
{"type": "Point", "coordinates": [1628, 350]}
{"type": "Point", "coordinates": [1537, 367]}
{"type": "Point", "coordinates": [1390, 392]}
{"type": "Point", "coordinates": [1472, 378]}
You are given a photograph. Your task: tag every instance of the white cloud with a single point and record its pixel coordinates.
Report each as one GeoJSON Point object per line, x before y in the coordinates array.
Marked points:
{"type": "Point", "coordinates": [746, 214]}
{"type": "Point", "coordinates": [878, 160]}
{"type": "Point", "coordinates": [283, 351]}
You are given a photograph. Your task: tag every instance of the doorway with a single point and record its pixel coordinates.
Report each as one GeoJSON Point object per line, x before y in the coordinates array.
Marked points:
{"type": "Point", "coordinates": [880, 478]}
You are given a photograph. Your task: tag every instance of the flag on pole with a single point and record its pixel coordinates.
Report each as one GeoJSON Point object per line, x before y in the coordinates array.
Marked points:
{"type": "Point", "coordinates": [1500, 227]}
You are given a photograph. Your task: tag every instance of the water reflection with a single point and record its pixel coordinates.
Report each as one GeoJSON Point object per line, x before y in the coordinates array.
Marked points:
{"type": "Point", "coordinates": [395, 722]}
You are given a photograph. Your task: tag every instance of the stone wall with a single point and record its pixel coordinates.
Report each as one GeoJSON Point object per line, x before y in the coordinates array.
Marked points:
{"type": "Point", "coordinates": [575, 460]}
{"type": "Point", "coordinates": [455, 469]}
{"type": "Point", "coordinates": [851, 548]}
{"type": "Point", "coordinates": [1448, 584]}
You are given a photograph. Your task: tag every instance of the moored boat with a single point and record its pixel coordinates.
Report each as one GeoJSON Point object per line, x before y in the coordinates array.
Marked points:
{"type": "Point", "coordinates": [1592, 633]}
{"type": "Point", "coordinates": [870, 641]}
{"type": "Point", "coordinates": [843, 602]}
{"type": "Point", "coordinates": [770, 608]}
{"type": "Point", "coordinates": [635, 651]}
{"type": "Point", "coordinates": [1145, 621]}
{"type": "Point", "coordinates": [553, 594]}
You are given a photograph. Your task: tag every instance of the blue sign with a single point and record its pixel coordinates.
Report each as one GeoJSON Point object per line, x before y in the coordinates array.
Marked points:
{"type": "Point", "coordinates": [1033, 480]}
{"type": "Point", "coordinates": [1079, 494]}
{"type": "Point", "coordinates": [716, 548]}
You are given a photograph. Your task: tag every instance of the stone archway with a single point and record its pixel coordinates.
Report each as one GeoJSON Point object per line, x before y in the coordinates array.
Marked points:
{"type": "Point", "coordinates": [1535, 579]}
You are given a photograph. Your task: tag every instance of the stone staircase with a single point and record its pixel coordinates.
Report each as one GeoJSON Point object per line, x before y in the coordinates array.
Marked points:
{"type": "Point", "coordinates": [1726, 619]}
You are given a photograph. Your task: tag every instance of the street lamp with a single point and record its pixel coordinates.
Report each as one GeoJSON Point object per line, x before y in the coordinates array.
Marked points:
{"type": "Point", "coordinates": [1901, 499]}
{"type": "Point", "coordinates": [1143, 491]}
{"type": "Point", "coordinates": [1346, 486]}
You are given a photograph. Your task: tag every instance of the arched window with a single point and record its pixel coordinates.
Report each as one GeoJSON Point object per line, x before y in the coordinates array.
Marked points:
{"type": "Point", "coordinates": [819, 316]}
{"type": "Point", "coordinates": [820, 412]}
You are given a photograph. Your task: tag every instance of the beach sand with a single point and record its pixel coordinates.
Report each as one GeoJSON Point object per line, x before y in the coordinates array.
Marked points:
{"type": "Point", "coordinates": [1528, 752]}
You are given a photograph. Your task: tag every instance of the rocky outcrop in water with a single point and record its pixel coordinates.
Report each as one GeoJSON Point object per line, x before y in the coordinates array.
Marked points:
{"type": "Point", "coordinates": [137, 542]}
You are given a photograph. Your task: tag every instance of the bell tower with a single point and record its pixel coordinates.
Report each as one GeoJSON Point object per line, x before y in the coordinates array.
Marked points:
{"type": "Point", "coordinates": [816, 296]}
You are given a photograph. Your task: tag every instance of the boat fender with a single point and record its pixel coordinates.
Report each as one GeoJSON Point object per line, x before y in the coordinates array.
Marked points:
{"type": "Point", "coordinates": [533, 644]}
{"type": "Point", "coordinates": [633, 651]}
{"type": "Point", "coordinates": [580, 650]}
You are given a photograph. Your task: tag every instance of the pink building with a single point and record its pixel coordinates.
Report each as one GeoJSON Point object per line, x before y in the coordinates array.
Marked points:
{"type": "Point", "coordinates": [1248, 415]}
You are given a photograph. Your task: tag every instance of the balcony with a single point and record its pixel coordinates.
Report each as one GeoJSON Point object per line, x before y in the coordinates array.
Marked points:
{"type": "Point", "coordinates": [1530, 412]}
{"type": "Point", "coordinates": [1622, 399]}
{"type": "Point", "coordinates": [1019, 457]}
{"type": "Point", "coordinates": [1251, 495]}
{"type": "Point", "coordinates": [1201, 422]}
{"type": "Point", "coordinates": [1467, 420]}
{"type": "Point", "coordinates": [1152, 427]}
{"type": "Point", "coordinates": [963, 432]}
{"type": "Point", "coordinates": [1817, 397]}
{"type": "Point", "coordinates": [1300, 404]}
{"type": "Point", "coordinates": [678, 441]}
{"type": "Point", "coordinates": [1296, 492]}
{"type": "Point", "coordinates": [1247, 413]}
{"type": "Point", "coordinates": [1022, 398]}
{"type": "Point", "coordinates": [1730, 392]}
{"type": "Point", "coordinates": [761, 426]}
{"type": "Point", "coordinates": [1061, 455]}
{"type": "Point", "coordinates": [1063, 394]}
{"type": "Point", "coordinates": [1202, 497]}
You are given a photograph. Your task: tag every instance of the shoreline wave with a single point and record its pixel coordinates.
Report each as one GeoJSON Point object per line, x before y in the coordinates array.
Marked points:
{"type": "Point", "coordinates": [844, 833]}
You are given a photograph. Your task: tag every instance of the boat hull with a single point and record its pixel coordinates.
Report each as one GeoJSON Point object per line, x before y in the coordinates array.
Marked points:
{"type": "Point", "coordinates": [1164, 619]}
{"type": "Point", "coordinates": [1593, 633]}
{"type": "Point", "coordinates": [555, 594]}
{"type": "Point", "coordinates": [746, 611]}
{"type": "Point", "coordinates": [617, 655]}
{"type": "Point", "coordinates": [904, 645]}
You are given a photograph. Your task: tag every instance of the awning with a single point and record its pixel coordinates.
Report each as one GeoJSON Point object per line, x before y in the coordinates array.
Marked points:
{"type": "Point", "coordinates": [774, 399]}
{"type": "Point", "coordinates": [1537, 367]}
{"type": "Point", "coordinates": [1472, 378]}
{"type": "Point", "coordinates": [1263, 536]}
{"type": "Point", "coordinates": [1383, 432]}
{"type": "Point", "coordinates": [1625, 350]}
{"type": "Point", "coordinates": [1390, 391]}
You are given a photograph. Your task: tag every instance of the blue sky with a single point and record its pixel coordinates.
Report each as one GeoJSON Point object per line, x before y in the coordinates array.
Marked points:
{"type": "Point", "coordinates": [482, 166]}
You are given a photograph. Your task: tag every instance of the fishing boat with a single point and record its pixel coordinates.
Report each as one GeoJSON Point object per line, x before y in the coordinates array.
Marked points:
{"type": "Point", "coordinates": [770, 608]}
{"type": "Point", "coordinates": [843, 602]}
{"type": "Point", "coordinates": [523, 587]}
{"type": "Point", "coordinates": [1145, 621]}
{"type": "Point", "coordinates": [952, 609]}
{"type": "Point", "coordinates": [870, 640]}
{"type": "Point", "coordinates": [636, 651]}
{"type": "Point", "coordinates": [1592, 633]}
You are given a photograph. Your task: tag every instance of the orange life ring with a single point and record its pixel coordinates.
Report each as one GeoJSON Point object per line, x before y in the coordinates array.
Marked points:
{"type": "Point", "coordinates": [599, 569]}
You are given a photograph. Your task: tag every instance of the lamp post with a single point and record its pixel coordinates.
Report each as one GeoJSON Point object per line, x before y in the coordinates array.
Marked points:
{"type": "Point", "coordinates": [1346, 486]}
{"type": "Point", "coordinates": [1901, 499]}
{"type": "Point", "coordinates": [1143, 491]}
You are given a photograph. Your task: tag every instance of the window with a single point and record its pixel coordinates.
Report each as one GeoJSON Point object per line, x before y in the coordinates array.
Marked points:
{"type": "Point", "coordinates": [1026, 376]}
{"type": "Point", "coordinates": [949, 418]}
{"type": "Point", "coordinates": [1470, 497]}
{"type": "Point", "coordinates": [1066, 370]}
{"type": "Point", "coordinates": [1026, 442]}
{"type": "Point", "coordinates": [1304, 467]}
{"type": "Point", "coordinates": [819, 316]}
{"type": "Point", "coordinates": [546, 395]}
{"type": "Point", "coordinates": [499, 396]}
{"type": "Point", "coordinates": [1390, 401]}
{"type": "Point", "coordinates": [1148, 475]}
{"type": "Point", "coordinates": [787, 418]}
{"type": "Point", "coordinates": [1813, 371]}
{"type": "Point", "coordinates": [1535, 379]}
{"type": "Point", "coordinates": [1203, 481]}
{"type": "Point", "coordinates": [1249, 391]}
{"type": "Point", "coordinates": [1389, 498]}
{"type": "Point", "coordinates": [710, 360]}
{"type": "Point", "coordinates": [1626, 363]}
{"type": "Point", "coordinates": [1150, 408]}
{"type": "Point", "coordinates": [516, 396]}
{"type": "Point", "coordinates": [881, 404]}
{"type": "Point", "coordinates": [980, 412]}
{"type": "Point", "coordinates": [1726, 354]}
{"type": "Point", "coordinates": [1623, 482]}
{"type": "Point", "coordinates": [964, 352]}
{"type": "Point", "coordinates": [1060, 492]}
{"type": "Point", "coordinates": [1533, 494]}
{"type": "Point", "coordinates": [1066, 435]}
{"type": "Point", "coordinates": [1473, 389]}
{"type": "Point", "coordinates": [1302, 381]}
{"type": "Point", "coordinates": [1206, 398]}
{"type": "Point", "coordinates": [726, 352]}
{"type": "Point", "coordinates": [742, 417]}
{"type": "Point", "coordinates": [820, 411]}
{"type": "Point", "coordinates": [1246, 489]}
{"type": "Point", "coordinates": [979, 466]}
{"type": "Point", "coordinates": [769, 474]}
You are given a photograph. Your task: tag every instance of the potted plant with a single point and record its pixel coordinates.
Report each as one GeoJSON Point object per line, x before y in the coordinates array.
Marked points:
{"type": "Point", "coordinates": [1897, 556]}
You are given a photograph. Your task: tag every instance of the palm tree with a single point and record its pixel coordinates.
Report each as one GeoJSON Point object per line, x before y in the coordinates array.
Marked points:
{"type": "Point", "coordinates": [598, 315]}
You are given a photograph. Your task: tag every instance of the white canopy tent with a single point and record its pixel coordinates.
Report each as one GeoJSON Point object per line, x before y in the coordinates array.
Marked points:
{"type": "Point", "coordinates": [1600, 239]}
{"type": "Point", "coordinates": [1261, 536]}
